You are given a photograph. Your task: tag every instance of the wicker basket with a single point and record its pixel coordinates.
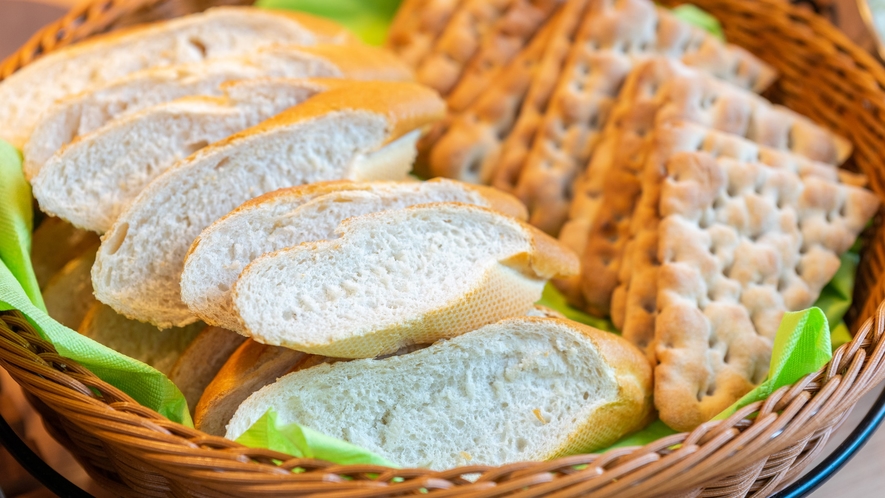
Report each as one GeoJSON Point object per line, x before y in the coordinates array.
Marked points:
{"type": "Point", "coordinates": [134, 451]}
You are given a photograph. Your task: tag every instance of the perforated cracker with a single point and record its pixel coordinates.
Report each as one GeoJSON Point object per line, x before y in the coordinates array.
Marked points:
{"type": "Point", "coordinates": [509, 35]}
{"type": "Point", "coordinates": [660, 90]}
{"type": "Point", "coordinates": [633, 306]}
{"type": "Point", "coordinates": [466, 34]}
{"type": "Point", "coordinates": [630, 30]}
{"type": "Point", "coordinates": [416, 26]}
{"type": "Point", "coordinates": [470, 147]}
{"type": "Point", "coordinates": [740, 243]}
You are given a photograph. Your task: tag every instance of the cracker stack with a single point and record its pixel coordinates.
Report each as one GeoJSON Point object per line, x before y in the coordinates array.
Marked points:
{"type": "Point", "coordinates": [532, 128]}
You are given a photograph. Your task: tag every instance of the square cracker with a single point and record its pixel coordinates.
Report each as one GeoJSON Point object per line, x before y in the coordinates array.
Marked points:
{"type": "Point", "coordinates": [416, 26]}
{"type": "Point", "coordinates": [631, 30]}
{"type": "Point", "coordinates": [634, 307]}
{"type": "Point", "coordinates": [471, 145]}
{"type": "Point", "coordinates": [740, 243]}
{"type": "Point", "coordinates": [660, 90]}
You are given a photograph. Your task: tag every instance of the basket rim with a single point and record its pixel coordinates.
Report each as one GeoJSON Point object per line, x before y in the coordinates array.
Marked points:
{"type": "Point", "coordinates": [800, 412]}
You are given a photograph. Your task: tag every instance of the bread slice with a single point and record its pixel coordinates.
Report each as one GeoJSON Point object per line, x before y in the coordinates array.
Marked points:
{"type": "Point", "coordinates": [158, 348]}
{"type": "Point", "coordinates": [254, 365]}
{"type": "Point", "coordinates": [68, 296]}
{"type": "Point", "coordinates": [288, 217]}
{"type": "Point", "coordinates": [201, 361]}
{"type": "Point", "coordinates": [91, 181]}
{"type": "Point", "coordinates": [361, 131]}
{"type": "Point", "coordinates": [215, 33]}
{"type": "Point", "coordinates": [397, 278]}
{"type": "Point", "coordinates": [54, 243]}
{"type": "Point", "coordinates": [520, 389]}
{"type": "Point", "coordinates": [90, 110]}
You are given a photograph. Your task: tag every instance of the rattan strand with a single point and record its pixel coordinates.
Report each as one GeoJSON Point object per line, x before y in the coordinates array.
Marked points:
{"type": "Point", "coordinates": [136, 452]}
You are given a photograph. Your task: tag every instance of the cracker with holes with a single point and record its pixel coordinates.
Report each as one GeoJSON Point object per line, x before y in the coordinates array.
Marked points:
{"type": "Point", "coordinates": [634, 305]}
{"type": "Point", "coordinates": [740, 243]}
{"type": "Point", "coordinates": [505, 40]}
{"type": "Point", "coordinates": [416, 26]}
{"type": "Point", "coordinates": [509, 107]}
{"type": "Point", "coordinates": [660, 90]}
{"type": "Point", "coordinates": [629, 30]}
{"type": "Point", "coordinates": [459, 42]}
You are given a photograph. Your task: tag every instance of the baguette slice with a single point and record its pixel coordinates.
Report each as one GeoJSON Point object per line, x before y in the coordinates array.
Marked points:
{"type": "Point", "coordinates": [254, 365]}
{"type": "Point", "coordinates": [201, 361]}
{"type": "Point", "coordinates": [54, 243]}
{"type": "Point", "coordinates": [520, 389]}
{"type": "Point", "coordinates": [215, 33]}
{"type": "Point", "coordinates": [68, 296]}
{"type": "Point", "coordinates": [91, 181]}
{"type": "Point", "coordinates": [290, 217]}
{"type": "Point", "coordinates": [360, 131]}
{"type": "Point", "coordinates": [397, 278]}
{"type": "Point", "coordinates": [90, 110]}
{"type": "Point", "coordinates": [158, 348]}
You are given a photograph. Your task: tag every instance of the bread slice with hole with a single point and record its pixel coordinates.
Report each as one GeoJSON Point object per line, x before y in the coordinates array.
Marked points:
{"type": "Point", "coordinates": [216, 33]}
{"type": "Point", "coordinates": [201, 361]}
{"type": "Point", "coordinates": [360, 131]}
{"type": "Point", "coordinates": [91, 181]}
{"type": "Point", "coordinates": [158, 348]}
{"type": "Point", "coordinates": [520, 389]}
{"type": "Point", "coordinates": [254, 365]}
{"type": "Point", "coordinates": [396, 278]}
{"type": "Point", "coordinates": [288, 217]}
{"type": "Point", "coordinates": [88, 111]}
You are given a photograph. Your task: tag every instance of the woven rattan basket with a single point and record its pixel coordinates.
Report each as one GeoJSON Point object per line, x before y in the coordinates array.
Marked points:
{"type": "Point", "coordinates": [134, 451]}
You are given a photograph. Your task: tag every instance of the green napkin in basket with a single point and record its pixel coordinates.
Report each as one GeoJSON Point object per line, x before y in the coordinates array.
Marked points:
{"type": "Point", "coordinates": [801, 345]}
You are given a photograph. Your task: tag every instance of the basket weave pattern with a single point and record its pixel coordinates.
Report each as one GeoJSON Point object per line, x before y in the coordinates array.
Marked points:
{"type": "Point", "coordinates": [135, 451]}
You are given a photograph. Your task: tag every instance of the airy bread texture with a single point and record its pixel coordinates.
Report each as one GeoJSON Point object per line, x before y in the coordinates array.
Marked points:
{"type": "Point", "coordinates": [520, 389]}
{"type": "Point", "coordinates": [215, 33]}
{"type": "Point", "coordinates": [68, 295]}
{"type": "Point", "coordinates": [254, 365]}
{"type": "Point", "coordinates": [201, 361]}
{"type": "Point", "coordinates": [85, 112]}
{"type": "Point", "coordinates": [95, 178]}
{"type": "Point", "coordinates": [289, 217]}
{"type": "Point", "coordinates": [397, 278]}
{"type": "Point", "coordinates": [361, 131]}
{"type": "Point", "coordinates": [158, 348]}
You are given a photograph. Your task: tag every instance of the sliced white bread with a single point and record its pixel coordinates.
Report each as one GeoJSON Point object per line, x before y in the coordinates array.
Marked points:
{"type": "Point", "coordinates": [520, 389]}
{"type": "Point", "coordinates": [90, 110]}
{"type": "Point", "coordinates": [254, 365]}
{"type": "Point", "coordinates": [201, 361]}
{"type": "Point", "coordinates": [215, 33]}
{"type": "Point", "coordinates": [360, 131]}
{"type": "Point", "coordinates": [68, 295]}
{"type": "Point", "coordinates": [158, 348]}
{"type": "Point", "coordinates": [54, 243]}
{"type": "Point", "coordinates": [290, 217]}
{"type": "Point", "coordinates": [92, 180]}
{"type": "Point", "coordinates": [396, 278]}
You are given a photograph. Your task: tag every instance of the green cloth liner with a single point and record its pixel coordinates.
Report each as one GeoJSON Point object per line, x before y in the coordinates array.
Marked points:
{"type": "Point", "coordinates": [802, 344]}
